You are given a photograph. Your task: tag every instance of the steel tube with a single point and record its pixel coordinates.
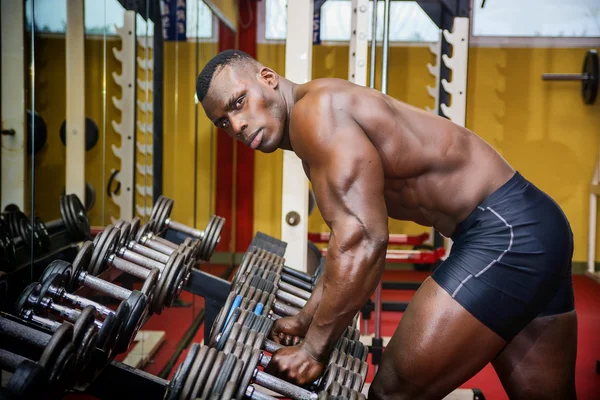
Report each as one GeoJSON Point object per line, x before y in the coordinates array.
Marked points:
{"type": "Point", "coordinates": [386, 47]}
{"type": "Point", "coordinates": [280, 386]}
{"type": "Point", "coordinates": [140, 260]}
{"type": "Point", "coordinates": [128, 267]}
{"type": "Point", "coordinates": [80, 302]}
{"type": "Point", "coordinates": [154, 244]}
{"type": "Point", "coordinates": [565, 77]}
{"type": "Point", "coordinates": [373, 46]}
{"type": "Point", "coordinates": [284, 309]}
{"type": "Point", "coordinates": [188, 230]}
{"type": "Point", "coordinates": [148, 252]}
{"type": "Point", "coordinates": [303, 294]}
{"type": "Point", "coordinates": [103, 286]}
{"type": "Point", "coordinates": [289, 298]}
{"type": "Point", "coordinates": [162, 240]}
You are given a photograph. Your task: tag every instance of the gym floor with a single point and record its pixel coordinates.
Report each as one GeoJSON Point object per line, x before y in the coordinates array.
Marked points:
{"type": "Point", "coordinates": [587, 301]}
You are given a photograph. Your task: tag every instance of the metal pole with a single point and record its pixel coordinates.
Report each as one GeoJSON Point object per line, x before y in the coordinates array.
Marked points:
{"type": "Point", "coordinates": [373, 46]}
{"type": "Point", "coordinates": [386, 47]}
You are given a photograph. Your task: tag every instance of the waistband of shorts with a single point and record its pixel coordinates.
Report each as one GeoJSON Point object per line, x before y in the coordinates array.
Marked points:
{"type": "Point", "coordinates": [516, 181]}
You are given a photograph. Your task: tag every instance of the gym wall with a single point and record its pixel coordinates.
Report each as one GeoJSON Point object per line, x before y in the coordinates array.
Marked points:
{"type": "Point", "coordinates": [542, 128]}
{"type": "Point", "coordinates": [179, 129]}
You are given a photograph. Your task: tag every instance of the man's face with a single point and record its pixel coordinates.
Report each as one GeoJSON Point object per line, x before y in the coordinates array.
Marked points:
{"type": "Point", "coordinates": [248, 106]}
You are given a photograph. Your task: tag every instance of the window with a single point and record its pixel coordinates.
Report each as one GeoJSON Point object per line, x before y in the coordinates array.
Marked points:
{"type": "Point", "coordinates": [51, 17]}
{"type": "Point", "coordinates": [409, 23]}
{"type": "Point", "coordinates": [537, 18]}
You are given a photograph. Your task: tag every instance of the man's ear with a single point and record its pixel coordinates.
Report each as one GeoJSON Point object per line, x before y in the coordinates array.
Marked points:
{"type": "Point", "coordinates": [269, 76]}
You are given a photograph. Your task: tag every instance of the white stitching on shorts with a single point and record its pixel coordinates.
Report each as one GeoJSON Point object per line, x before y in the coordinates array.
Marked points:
{"type": "Point", "coordinates": [494, 261]}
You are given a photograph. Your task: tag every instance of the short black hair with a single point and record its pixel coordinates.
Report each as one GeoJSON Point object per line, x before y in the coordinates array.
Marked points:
{"type": "Point", "coordinates": [226, 57]}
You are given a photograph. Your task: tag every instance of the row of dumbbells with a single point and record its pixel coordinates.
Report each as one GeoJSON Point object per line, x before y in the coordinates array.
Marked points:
{"type": "Point", "coordinates": [263, 290]}
{"type": "Point", "coordinates": [17, 230]}
{"type": "Point", "coordinates": [163, 265]}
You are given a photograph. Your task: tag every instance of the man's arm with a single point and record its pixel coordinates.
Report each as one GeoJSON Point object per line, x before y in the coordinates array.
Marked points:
{"type": "Point", "coordinates": [348, 180]}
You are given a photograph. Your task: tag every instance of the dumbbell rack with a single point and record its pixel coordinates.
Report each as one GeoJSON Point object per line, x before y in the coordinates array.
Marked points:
{"type": "Point", "coordinates": [25, 269]}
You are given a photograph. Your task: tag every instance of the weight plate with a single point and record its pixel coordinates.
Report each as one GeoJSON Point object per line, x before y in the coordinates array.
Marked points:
{"type": "Point", "coordinates": [42, 234]}
{"type": "Point", "coordinates": [135, 226]}
{"type": "Point", "coordinates": [178, 381]}
{"type": "Point", "coordinates": [214, 237]}
{"type": "Point", "coordinates": [81, 223]}
{"type": "Point", "coordinates": [138, 309]}
{"type": "Point", "coordinates": [248, 372]}
{"type": "Point", "coordinates": [27, 298]}
{"type": "Point", "coordinates": [105, 247]}
{"type": "Point", "coordinates": [164, 286]}
{"type": "Point", "coordinates": [60, 339]}
{"type": "Point", "coordinates": [141, 233]}
{"type": "Point", "coordinates": [53, 281]}
{"type": "Point", "coordinates": [204, 371]}
{"type": "Point", "coordinates": [150, 284]}
{"type": "Point", "coordinates": [80, 263]}
{"type": "Point", "coordinates": [125, 229]}
{"type": "Point", "coordinates": [203, 251]}
{"type": "Point", "coordinates": [220, 320]}
{"type": "Point", "coordinates": [87, 350]}
{"type": "Point", "coordinates": [230, 387]}
{"type": "Point", "coordinates": [59, 267]}
{"type": "Point", "coordinates": [13, 220]}
{"type": "Point", "coordinates": [223, 376]}
{"type": "Point", "coordinates": [3, 286]}
{"type": "Point", "coordinates": [154, 221]}
{"type": "Point", "coordinates": [165, 215]}
{"type": "Point", "coordinates": [591, 68]}
{"type": "Point", "coordinates": [228, 328]}
{"type": "Point", "coordinates": [65, 215]}
{"type": "Point", "coordinates": [156, 207]}
{"type": "Point", "coordinates": [193, 374]}
{"type": "Point", "coordinates": [29, 381]}
{"type": "Point", "coordinates": [212, 375]}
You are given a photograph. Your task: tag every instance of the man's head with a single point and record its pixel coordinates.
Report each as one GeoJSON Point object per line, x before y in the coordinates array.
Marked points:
{"type": "Point", "coordinates": [242, 97]}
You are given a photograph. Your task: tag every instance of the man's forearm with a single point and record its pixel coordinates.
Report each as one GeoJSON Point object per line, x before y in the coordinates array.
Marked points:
{"type": "Point", "coordinates": [348, 281]}
{"type": "Point", "coordinates": [310, 308]}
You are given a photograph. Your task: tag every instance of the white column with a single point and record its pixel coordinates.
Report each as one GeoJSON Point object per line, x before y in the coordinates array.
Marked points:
{"type": "Point", "coordinates": [75, 127]}
{"type": "Point", "coordinates": [457, 88]}
{"type": "Point", "coordinates": [13, 104]}
{"type": "Point", "coordinates": [126, 104]}
{"type": "Point", "coordinates": [359, 40]}
{"type": "Point", "coordinates": [294, 202]}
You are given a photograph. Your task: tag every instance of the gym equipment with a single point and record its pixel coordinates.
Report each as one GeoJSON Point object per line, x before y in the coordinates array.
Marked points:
{"type": "Point", "coordinates": [38, 134]}
{"type": "Point", "coordinates": [136, 300]}
{"type": "Point", "coordinates": [54, 353]}
{"type": "Point", "coordinates": [160, 220]}
{"type": "Point", "coordinates": [73, 219]}
{"type": "Point", "coordinates": [3, 286]}
{"type": "Point", "coordinates": [35, 299]}
{"type": "Point", "coordinates": [162, 290]}
{"type": "Point", "coordinates": [91, 133]}
{"type": "Point", "coordinates": [85, 335]}
{"type": "Point", "coordinates": [29, 381]}
{"type": "Point", "coordinates": [90, 196]}
{"type": "Point", "coordinates": [208, 373]}
{"type": "Point", "coordinates": [589, 77]}
{"type": "Point", "coordinates": [147, 238]}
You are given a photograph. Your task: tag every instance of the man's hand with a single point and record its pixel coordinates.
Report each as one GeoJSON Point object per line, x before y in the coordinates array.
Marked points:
{"type": "Point", "coordinates": [295, 364]}
{"type": "Point", "coordinates": [290, 331]}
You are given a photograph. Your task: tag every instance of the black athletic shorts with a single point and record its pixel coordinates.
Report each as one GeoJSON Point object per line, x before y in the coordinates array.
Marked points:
{"type": "Point", "coordinates": [510, 260]}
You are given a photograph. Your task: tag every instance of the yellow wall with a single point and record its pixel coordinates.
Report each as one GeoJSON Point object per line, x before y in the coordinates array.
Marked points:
{"type": "Point", "coordinates": [543, 129]}
{"type": "Point", "coordinates": [179, 129]}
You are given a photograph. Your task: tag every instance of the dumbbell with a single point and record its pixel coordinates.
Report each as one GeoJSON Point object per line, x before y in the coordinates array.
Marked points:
{"type": "Point", "coordinates": [3, 287]}
{"type": "Point", "coordinates": [7, 246]}
{"type": "Point", "coordinates": [73, 219]}
{"type": "Point", "coordinates": [170, 275]}
{"type": "Point", "coordinates": [208, 373]}
{"type": "Point", "coordinates": [129, 234]}
{"type": "Point", "coordinates": [255, 256]}
{"type": "Point", "coordinates": [137, 302]}
{"type": "Point", "coordinates": [54, 353]}
{"type": "Point", "coordinates": [142, 235]}
{"type": "Point", "coordinates": [52, 289]}
{"type": "Point", "coordinates": [210, 237]}
{"type": "Point", "coordinates": [19, 229]}
{"type": "Point", "coordinates": [245, 327]}
{"type": "Point", "coordinates": [85, 335]}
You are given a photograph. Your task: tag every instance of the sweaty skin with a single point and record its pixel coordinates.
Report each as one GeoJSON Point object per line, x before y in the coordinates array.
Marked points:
{"type": "Point", "coordinates": [368, 157]}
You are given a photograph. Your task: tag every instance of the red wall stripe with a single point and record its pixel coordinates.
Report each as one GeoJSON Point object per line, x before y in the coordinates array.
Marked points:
{"type": "Point", "coordinates": [224, 167]}
{"type": "Point", "coordinates": [245, 156]}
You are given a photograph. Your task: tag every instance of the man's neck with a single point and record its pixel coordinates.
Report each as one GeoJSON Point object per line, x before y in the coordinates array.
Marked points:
{"type": "Point", "coordinates": [287, 89]}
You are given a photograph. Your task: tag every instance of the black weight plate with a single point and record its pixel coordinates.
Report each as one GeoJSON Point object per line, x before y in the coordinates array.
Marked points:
{"type": "Point", "coordinates": [81, 263]}
{"type": "Point", "coordinates": [82, 324]}
{"type": "Point", "coordinates": [81, 223]}
{"type": "Point", "coordinates": [193, 374]}
{"type": "Point", "coordinates": [27, 298]}
{"type": "Point", "coordinates": [234, 316]}
{"type": "Point", "coordinates": [215, 236]}
{"type": "Point", "coordinates": [220, 320]}
{"type": "Point", "coordinates": [60, 339]}
{"type": "Point", "coordinates": [62, 372]}
{"type": "Point", "coordinates": [85, 336]}
{"type": "Point", "coordinates": [163, 287]}
{"type": "Point", "coordinates": [212, 375]}
{"type": "Point", "coordinates": [150, 284]}
{"type": "Point", "coordinates": [13, 221]}
{"type": "Point", "coordinates": [56, 281]}
{"type": "Point", "coordinates": [204, 371]}
{"type": "Point", "coordinates": [173, 285]}
{"type": "Point", "coordinates": [138, 308]}
{"type": "Point", "coordinates": [7, 247]}
{"type": "Point", "coordinates": [42, 233]}
{"type": "Point", "coordinates": [29, 381]}
{"type": "Point", "coordinates": [248, 372]}
{"type": "Point", "coordinates": [24, 231]}
{"type": "Point", "coordinates": [105, 247]}
{"type": "Point", "coordinates": [178, 381]}
{"type": "Point", "coordinates": [204, 244]}
{"type": "Point", "coordinates": [65, 214]}
{"type": "Point", "coordinates": [591, 68]}
{"type": "Point", "coordinates": [91, 133]}
{"type": "Point", "coordinates": [223, 375]}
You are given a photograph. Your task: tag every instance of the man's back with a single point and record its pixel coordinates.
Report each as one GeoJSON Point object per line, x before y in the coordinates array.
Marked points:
{"type": "Point", "coordinates": [435, 171]}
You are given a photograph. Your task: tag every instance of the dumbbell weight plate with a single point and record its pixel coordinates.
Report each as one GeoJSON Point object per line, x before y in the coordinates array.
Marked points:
{"type": "Point", "coordinates": [154, 222]}
{"type": "Point", "coordinates": [65, 214]}
{"type": "Point", "coordinates": [13, 220]}
{"type": "Point", "coordinates": [194, 371]}
{"type": "Point", "coordinates": [250, 366]}
{"type": "Point", "coordinates": [205, 368]}
{"type": "Point", "coordinates": [214, 237]}
{"type": "Point", "coordinates": [105, 245]}
{"type": "Point", "coordinates": [164, 215]}
{"type": "Point", "coordinates": [230, 386]}
{"type": "Point", "coordinates": [29, 381]}
{"type": "Point", "coordinates": [138, 309]}
{"type": "Point", "coordinates": [177, 384]}
{"type": "Point", "coordinates": [30, 292]}
{"type": "Point", "coordinates": [42, 233]}
{"type": "Point", "coordinates": [3, 286]}
{"type": "Point", "coordinates": [212, 375]}
{"type": "Point", "coordinates": [223, 376]}
{"type": "Point", "coordinates": [220, 320]}
{"type": "Point", "coordinates": [57, 357]}
{"type": "Point", "coordinates": [204, 248]}
{"type": "Point", "coordinates": [79, 220]}
{"type": "Point", "coordinates": [156, 207]}
{"type": "Point", "coordinates": [7, 247]}
{"type": "Point", "coordinates": [85, 336]}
